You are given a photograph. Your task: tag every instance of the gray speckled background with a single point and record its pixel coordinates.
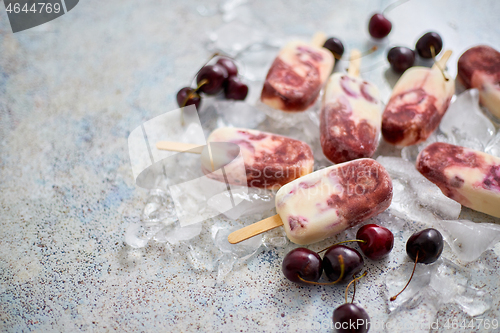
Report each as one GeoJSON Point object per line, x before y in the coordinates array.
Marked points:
{"type": "Point", "coordinates": [70, 93]}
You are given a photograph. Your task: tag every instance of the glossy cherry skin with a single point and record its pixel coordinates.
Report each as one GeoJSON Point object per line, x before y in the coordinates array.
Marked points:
{"type": "Point", "coordinates": [304, 263]}
{"type": "Point", "coordinates": [335, 46]}
{"type": "Point", "coordinates": [350, 318]}
{"type": "Point", "coordinates": [216, 76]}
{"type": "Point", "coordinates": [353, 262]}
{"type": "Point", "coordinates": [379, 241]}
{"type": "Point", "coordinates": [428, 243]}
{"type": "Point", "coordinates": [229, 65]}
{"type": "Point", "coordinates": [188, 96]}
{"type": "Point", "coordinates": [235, 89]}
{"type": "Point", "coordinates": [401, 58]}
{"type": "Point", "coordinates": [379, 26]}
{"type": "Point", "coordinates": [423, 45]}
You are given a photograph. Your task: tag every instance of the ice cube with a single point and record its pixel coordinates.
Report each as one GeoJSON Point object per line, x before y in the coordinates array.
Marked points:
{"type": "Point", "coordinates": [414, 197]}
{"type": "Point", "coordinates": [238, 114]}
{"type": "Point", "coordinates": [159, 208]}
{"type": "Point", "coordinates": [256, 61]}
{"type": "Point", "coordinates": [466, 124]}
{"type": "Point", "coordinates": [176, 234]}
{"type": "Point", "coordinates": [135, 236]}
{"type": "Point", "coordinates": [251, 201]}
{"type": "Point", "coordinates": [468, 239]}
{"type": "Point", "coordinates": [493, 147]}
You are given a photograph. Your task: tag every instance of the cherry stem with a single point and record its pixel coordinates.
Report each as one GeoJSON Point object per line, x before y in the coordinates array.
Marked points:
{"type": "Point", "coordinates": [354, 291]}
{"type": "Point", "coordinates": [347, 241]}
{"type": "Point", "coordinates": [342, 270]}
{"type": "Point", "coordinates": [393, 5]}
{"type": "Point", "coordinates": [433, 53]}
{"type": "Point", "coordinates": [393, 298]}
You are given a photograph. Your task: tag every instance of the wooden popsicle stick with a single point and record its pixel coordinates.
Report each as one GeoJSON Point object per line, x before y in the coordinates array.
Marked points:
{"type": "Point", "coordinates": [441, 63]}
{"type": "Point", "coordinates": [255, 229]}
{"type": "Point", "coordinates": [318, 39]}
{"type": "Point", "coordinates": [354, 63]}
{"type": "Point", "coordinates": [179, 147]}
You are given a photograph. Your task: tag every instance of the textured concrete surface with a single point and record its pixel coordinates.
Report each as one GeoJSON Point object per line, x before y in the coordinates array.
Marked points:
{"type": "Point", "coordinates": [70, 93]}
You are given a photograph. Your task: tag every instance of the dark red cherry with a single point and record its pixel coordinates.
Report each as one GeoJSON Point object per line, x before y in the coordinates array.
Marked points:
{"type": "Point", "coordinates": [423, 45]}
{"type": "Point", "coordinates": [335, 46]}
{"type": "Point", "coordinates": [379, 26]}
{"type": "Point", "coordinates": [350, 318]}
{"type": "Point", "coordinates": [235, 89]}
{"type": "Point", "coordinates": [215, 75]}
{"type": "Point", "coordinates": [353, 262]}
{"type": "Point", "coordinates": [188, 96]}
{"type": "Point", "coordinates": [401, 58]}
{"type": "Point", "coordinates": [427, 243]}
{"type": "Point", "coordinates": [229, 65]}
{"type": "Point", "coordinates": [379, 241]}
{"type": "Point", "coordinates": [304, 263]}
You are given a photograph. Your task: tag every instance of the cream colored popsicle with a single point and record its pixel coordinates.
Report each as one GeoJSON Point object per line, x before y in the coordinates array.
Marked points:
{"type": "Point", "coordinates": [351, 116]}
{"type": "Point", "coordinates": [270, 160]}
{"type": "Point", "coordinates": [467, 176]}
{"type": "Point", "coordinates": [297, 75]}
{"type": "Point", "coordinates": [479, 67]}
{"type": "Point", "coordinates": [417, 104]}
{"type": "Point", "coordinates": [326, 202]}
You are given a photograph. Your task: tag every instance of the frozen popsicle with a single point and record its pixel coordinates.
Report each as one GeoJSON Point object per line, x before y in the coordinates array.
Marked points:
{"type": "Point", "coordinates": [326, 202]}
{"type": "Point", "coordinates": [297, 75]}
{"type": "Point", "coordinates": [270, 160]}
{"type": "Point", "coordinates": [467, 176]}
{"type": "Point", "coordinates": [479, 67]}
{"type": "Point", "coordinates": [350, 116]}
{"type": "Point", "coordinates": [417, 104]}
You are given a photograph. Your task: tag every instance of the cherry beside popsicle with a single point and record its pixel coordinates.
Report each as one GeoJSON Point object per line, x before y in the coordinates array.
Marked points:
{"type": "Point", "coordinates": [350, 118]}
{"type": "Point", "coordinates": [326, 202]}
{"type": "Point", "coordinates": [479, 67]}
{"type": "Point", "coordinates": [297, 75]}
{"type": "Point", "coordinates": [270, 160]}
{"type": "Point", "coordinates": [417, 104]}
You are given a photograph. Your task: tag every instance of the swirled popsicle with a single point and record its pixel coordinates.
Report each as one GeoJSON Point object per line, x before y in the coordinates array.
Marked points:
{"type": "Point", "coordinates": [417, 104]}
{"type": "Point", "coordinates": [470, 177]}
{"type": "Point", "coordinates": [351, 115]}
{"type": "Point", "coordinates": [479, 67]}
{"type": "Point", "coordinates": [297, 76]}
{"type": "Point", "coordinates": [270, 160]}
{"type": "Point", "coordinates": [326, 202]}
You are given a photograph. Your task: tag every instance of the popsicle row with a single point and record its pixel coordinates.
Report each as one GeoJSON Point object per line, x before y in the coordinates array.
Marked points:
{"type": "Point", "coordinates": [350, 122]}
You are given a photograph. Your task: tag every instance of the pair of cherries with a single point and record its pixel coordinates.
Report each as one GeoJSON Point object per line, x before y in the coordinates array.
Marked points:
{"type": "Point", "coordinates": [304, 266]}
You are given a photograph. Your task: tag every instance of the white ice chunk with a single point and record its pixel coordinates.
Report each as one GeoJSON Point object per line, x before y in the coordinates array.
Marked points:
{"type": "Point", "coordinates": [493, 147]}
{"type": "Point", "coordinates": [238, 114]}
{"type": "Point", "coordinates": [415, 197]}
{"type": "Point", "coordinates": [251, 201]}
{"type": "Point", "coordinates": [469, 240]}
{"type": "Point", "coordinates": [466, 124]}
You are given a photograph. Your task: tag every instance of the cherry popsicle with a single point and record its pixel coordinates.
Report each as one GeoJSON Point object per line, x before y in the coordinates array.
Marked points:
{"type": "Point", "coordinates": [479, 67]}
{"type": "Point", "coordinates": [270, 160]}
{"type": "Point", "coordinates": [326, 202]}
{"type": "Point", "coordinates": [297, 75]}
{"type": "Point", "coordinates": [418, 103]}
{"type": "Point", "coordinates": [351, 116]}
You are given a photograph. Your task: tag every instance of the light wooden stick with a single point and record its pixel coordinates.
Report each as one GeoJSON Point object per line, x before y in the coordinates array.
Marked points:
{"type": "Point", "coordinates": [255, 229]}
{"type": "Point", "coordinates": [180, 147]}
{"type": "Point", "coordinates": [354, 63]}
{"type": "Point", "coordinates": [441, 63]}
{"type": "Point", "coordinates": [318, 39]}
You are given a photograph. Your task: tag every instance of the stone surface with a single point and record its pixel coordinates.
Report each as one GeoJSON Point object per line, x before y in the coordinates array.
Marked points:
{"type": "Point", "coordinates": [70, 93]}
